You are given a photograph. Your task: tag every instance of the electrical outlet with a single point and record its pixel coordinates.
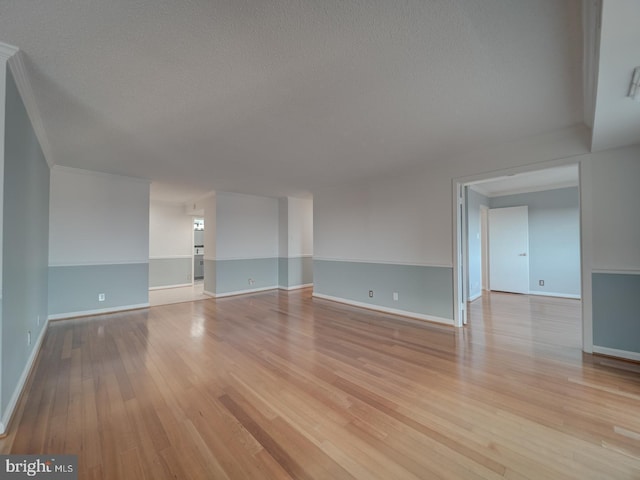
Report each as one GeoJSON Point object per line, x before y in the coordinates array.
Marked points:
{"type": "Point", "coordinates": [29, 337]}
{"type": "Point", "coordinates": [370, 293]}
{"type": "Point", "coordinates": [541, 283]}
{"type": "Point", "coordinates": [252, 281]}
{"type": "Point", "coordinates": [395, 296]}
{"type": "Point", "coordinates": [101, 297]}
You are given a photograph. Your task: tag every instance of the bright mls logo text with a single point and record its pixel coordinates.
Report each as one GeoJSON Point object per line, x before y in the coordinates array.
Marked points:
{"type": "Point", "coordinates": [40, 466]}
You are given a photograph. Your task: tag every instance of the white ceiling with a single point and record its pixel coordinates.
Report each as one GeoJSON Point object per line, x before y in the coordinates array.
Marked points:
{"type": "Point", "coordinates": [279, 97]}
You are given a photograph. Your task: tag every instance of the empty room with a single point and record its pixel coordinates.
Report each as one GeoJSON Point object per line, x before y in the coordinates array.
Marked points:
{"type": "Point", "coordinates": [304, 239]}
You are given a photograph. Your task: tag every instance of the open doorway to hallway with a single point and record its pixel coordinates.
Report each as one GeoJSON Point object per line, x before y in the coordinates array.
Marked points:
{"type": "Point", "coordinates": [188, 292]}
{"type": "Point", "coordinates": [494, 250]}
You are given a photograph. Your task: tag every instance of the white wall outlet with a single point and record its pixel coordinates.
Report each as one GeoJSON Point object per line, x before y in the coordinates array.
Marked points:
{"type": "Point", "coordinates": [541, 283]}
{"type": "Point", "coordinates": [29, 337]}
{"type": "Point", "coordinates": [252, 281]}
{"type": "Point", "coordinates": [370, 293]}
{"type": "Point", "coordinates": [101, 297]}
{"type": "Point", "coordinates": [395, 296]}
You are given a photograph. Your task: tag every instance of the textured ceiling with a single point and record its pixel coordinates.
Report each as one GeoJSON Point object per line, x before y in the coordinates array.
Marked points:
{"type": "Point", "coordinates": [279, 97]}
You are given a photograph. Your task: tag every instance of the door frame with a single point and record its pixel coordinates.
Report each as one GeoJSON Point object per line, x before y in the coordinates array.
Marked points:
{"type": "Point", "coordinates": [459, 256]}
{"type": "Point", "coordinates": [485, 282]}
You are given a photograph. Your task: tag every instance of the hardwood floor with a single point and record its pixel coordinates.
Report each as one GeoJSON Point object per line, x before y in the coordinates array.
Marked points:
{"type": "Point", "coordinates": [280, 385]}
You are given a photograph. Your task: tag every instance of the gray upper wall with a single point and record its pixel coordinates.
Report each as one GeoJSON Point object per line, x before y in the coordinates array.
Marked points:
{"type": "Point", "coordinates": [554, 238]}
{"type": "Point", "coordinates": [25, 243]}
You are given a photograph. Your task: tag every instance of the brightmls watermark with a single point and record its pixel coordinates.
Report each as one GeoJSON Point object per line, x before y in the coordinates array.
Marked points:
{"type": "Point", "coordinates": [50, 467]}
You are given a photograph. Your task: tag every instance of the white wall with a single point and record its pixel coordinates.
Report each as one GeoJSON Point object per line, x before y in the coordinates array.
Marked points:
{"type": "Point", "coordinates": [300, 227]}
{"type": "Point", "coordinates": [615, 199]}
{"type": "Point", "coordinates": [247, 227]}
{"type": "Point", "coordinates": [397, 220]}
{"type": "Point", "coordinates": [170, 231]}
{"type": "Point", "coordinates": [283, 227]}
{"type": "Point", "coordinates": [408, 219]}
{"type": "Point", "coordinates": [97, 218]}
{"type": "Point", "coordinates": [210, 227]}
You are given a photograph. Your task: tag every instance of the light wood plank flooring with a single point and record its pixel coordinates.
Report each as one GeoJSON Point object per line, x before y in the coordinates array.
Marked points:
{"type": "Point", "coordinates": [279, 385]}
{"type": "Point", "coordinates": [165, 296]}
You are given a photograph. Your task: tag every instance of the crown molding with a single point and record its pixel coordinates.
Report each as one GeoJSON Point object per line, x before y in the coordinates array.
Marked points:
{"type": "Point", "coordinates": [7, 51]}
{"type": "Point", "coordinates": [19, 71]}
{"type": "Point", "coordinates": [95, 173]}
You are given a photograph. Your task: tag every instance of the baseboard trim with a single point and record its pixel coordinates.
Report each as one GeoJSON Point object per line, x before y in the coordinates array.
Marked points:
{"type": "Point", "coordinates": [15, 398]}
{"type": "Point", "coordinates": [613, 352]}
{"type": "Point", "coordinates": [381, 262]}
{"type": "Point", "coordinates": [164, 287]}
{"type": "Point", "coordinates": [553, 294]}
{"type": "Point", "coordinates": [296, 287]}
{"type": "Point", "coordinates": [241, 292]}
{"type": "Point", "coordinates": [474, 297]}
{"type": "Point", "coordinates": [392, 311]}
{"type": "Point", "coordinates": [88, 313]}
{"type": "Point", "coordinates": [616, 271]}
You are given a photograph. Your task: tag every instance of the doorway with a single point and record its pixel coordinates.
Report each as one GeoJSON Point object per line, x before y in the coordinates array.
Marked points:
{"type": "Point", "coordinates": [198, 249]}
{"type": "Point", "coordinates": [555, 237]}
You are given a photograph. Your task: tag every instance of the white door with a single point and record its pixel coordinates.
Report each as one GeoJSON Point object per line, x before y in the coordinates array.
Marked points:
{"type": "Point", "coordinates": [509, 249]}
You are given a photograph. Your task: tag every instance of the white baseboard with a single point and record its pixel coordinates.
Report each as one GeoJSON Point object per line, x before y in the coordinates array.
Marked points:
{"type": "Point", "coordinates": [612, 352]}
{"type": "Point", "coordinates": [553, 294]}
{"type": "Point", "coordinates": [13, 401]}
{"type": "Point", "coordinates": [240, 292]}
{"type": "Point", "coordinates": [296, 287]}
{"type": "Point", "coordinates": [393, 311]}
{"type": "Point", "coordinates": [474, 297]}
{"type": "Point", "coordinates": [87, 313]}
{"type": "Point", "coordinates": [164, 287]}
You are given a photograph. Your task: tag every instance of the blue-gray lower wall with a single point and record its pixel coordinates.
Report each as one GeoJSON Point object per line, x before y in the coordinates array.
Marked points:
{"type": "Point", "coordinates": [422, 290]}
{"type": "Point", "coordinates": [283, 272]}
{"type": "Point", "coordinates": [210, 276]}
{"type": "Point", "coordinates": [166, 272]}
{"type": "Point", "coordinates": [25, 248]}
{"type": "Point", "coordinates": [233, 276]}
{"type": "Point", "coordinates": [73, 290]}
{"type": "Point", "coordinates": [616, 323]}
{"type": "Point", "coordinates": [300, 271]}
{"type": "Point", "coordinates": [295, 271]}
{"type": "Point", "coordinates": [224, 277]}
